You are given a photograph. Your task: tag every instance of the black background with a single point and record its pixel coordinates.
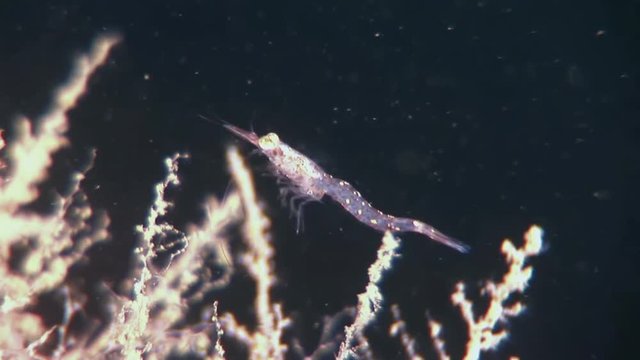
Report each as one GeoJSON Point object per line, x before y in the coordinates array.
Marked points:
{"type": "Point", "coordinates": [479, 117]}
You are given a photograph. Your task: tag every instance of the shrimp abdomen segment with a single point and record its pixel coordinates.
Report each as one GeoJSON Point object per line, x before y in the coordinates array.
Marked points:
{"type": "Point", "coordinates": [350, 199]}
{"type": "Point", "coordinates": [417, 226]}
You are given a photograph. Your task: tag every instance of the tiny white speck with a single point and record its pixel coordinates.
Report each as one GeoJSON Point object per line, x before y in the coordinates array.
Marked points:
{"type": "Point", "coordinates": [374, 221]}
{"type": "Point", "coordinates": [147, 76]}
{"type": "Point", "coordinates": [348, 201]}
{"type": "Point", "coordinates": [359, 212]}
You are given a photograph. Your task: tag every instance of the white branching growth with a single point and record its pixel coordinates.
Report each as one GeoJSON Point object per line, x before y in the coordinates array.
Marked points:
{"type": "Point", "coordinates": [399, 329]}
{"type": "Point", "coordinates": [483, 335]}
{"type": "Point", "coordinates": [369, 302]}
{"type": "Point", "coordinates": [25, 165]}
{"type": "Point", "coordinates": [134, 314]}
{"type": "Point", "coordinates": [136, 332]}
{"type": "Point", "coordinates": [38, 249]}
{"type": "Point", "coordinates": [29, 155]}
{"type": "Point", "coordinates": [266, 342]}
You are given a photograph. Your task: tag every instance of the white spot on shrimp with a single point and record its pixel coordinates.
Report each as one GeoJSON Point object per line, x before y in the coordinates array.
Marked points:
{"type": "Point", "coordinates": [359, 212]}
{"type": "Point", "coordinates": [348, 201]}
{"type": "Point", "coordinates": [374, 221]}
{"type": "Point", "coordinates": [342, 183]}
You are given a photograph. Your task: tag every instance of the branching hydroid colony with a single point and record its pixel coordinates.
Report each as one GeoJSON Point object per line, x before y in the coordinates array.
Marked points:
{"type": "Point", "coordinates": [38, 250]}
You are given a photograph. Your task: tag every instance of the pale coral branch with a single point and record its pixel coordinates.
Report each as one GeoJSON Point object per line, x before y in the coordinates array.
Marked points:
{"type": "Point", "coordinates": [369, 302]}
{"type": "Point", "coordinates": [399, 329]}
{"type": "Point", "coordinates": [55, 241]}
{"type": "Point", "coordinates": [139, 333]}
{"type": "Point", "coordinates": [435, 330]}
{"type": "Point", "coordinates": [201, 241]}
{"type": "Point", "coordinates": [30, 152]}
{"type": "Point", "coordinates": [482, 333]}
{"type": "Point", "coordinates": [266, 343]}
{"type": "Point", "coordinates": [46, 236]}
{"type": "Point", "coordinates": [134, 315]}
{"type": "Point", "coordinates": [219, 350]}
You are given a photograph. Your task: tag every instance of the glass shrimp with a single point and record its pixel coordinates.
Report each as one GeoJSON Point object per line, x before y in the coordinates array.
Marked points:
{"type": "Point", "coordinates": [309, 182]}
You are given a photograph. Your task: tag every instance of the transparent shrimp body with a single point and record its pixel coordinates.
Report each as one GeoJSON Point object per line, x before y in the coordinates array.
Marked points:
{"type": "Point", "coordinates": [308, 182]}
{"type": "Point", "coordinates": [304, 176]}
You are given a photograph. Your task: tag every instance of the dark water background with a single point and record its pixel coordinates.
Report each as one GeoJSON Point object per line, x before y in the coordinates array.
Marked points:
{"type": "Point", "coordinates": [479, 117]}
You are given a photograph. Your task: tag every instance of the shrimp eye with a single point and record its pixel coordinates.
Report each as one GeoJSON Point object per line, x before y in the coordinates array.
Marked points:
{"type": "Point", "coordinates": [269, 141]}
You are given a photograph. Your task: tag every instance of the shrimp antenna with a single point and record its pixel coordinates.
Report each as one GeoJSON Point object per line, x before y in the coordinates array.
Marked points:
{"type": "Point", "coordinates": [248, 136]}
{"type": "Point", "coordinates": [253, 118]}
{"type": "Point", "coordinates": [215, 120]}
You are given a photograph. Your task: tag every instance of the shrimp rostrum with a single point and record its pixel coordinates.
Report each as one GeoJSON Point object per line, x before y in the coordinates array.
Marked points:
{"type": "Point", "coordinates": [309, 182]}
